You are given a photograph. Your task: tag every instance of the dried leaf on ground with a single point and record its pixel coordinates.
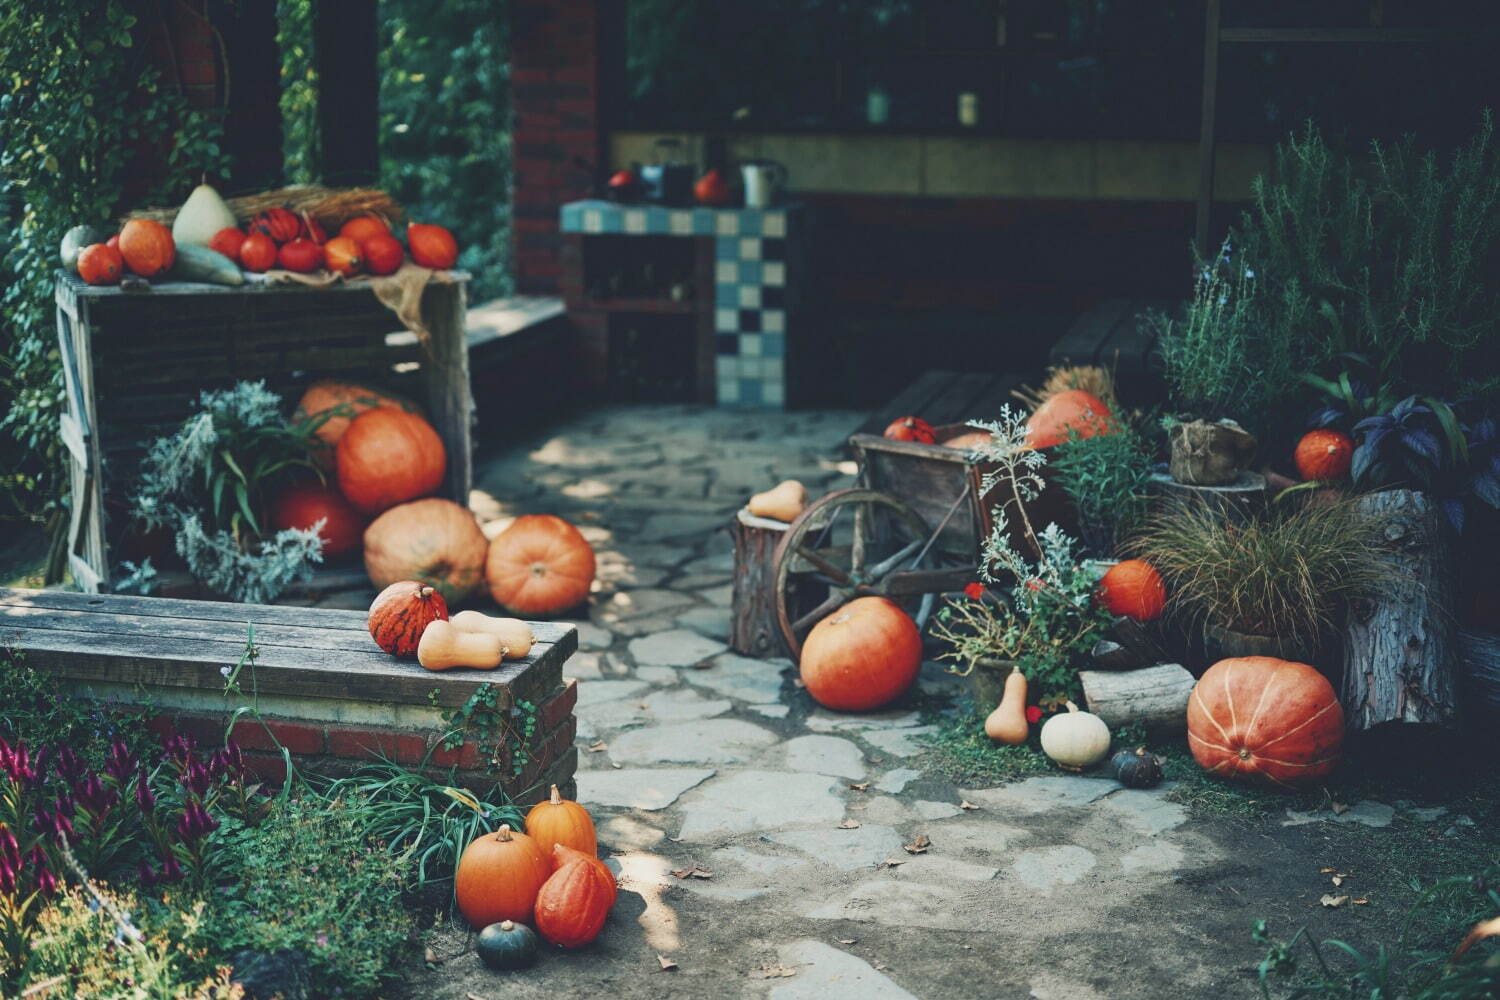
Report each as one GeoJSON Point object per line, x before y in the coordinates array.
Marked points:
{"type": "Point", "coordinates": [598, 747]}
{"type": "Point", "coordinates": [890, 863]}
{"type": "Point", "coordinates": [1333, 902]}
{"type": "Point", "coordinates": [1360, 901]}
{"type": "Point", "coordinates": [919, 844]}
{"type": "Point", "coordinates": [1337, 880]}
{"type": "Point", "coordinates": [1338, 808]}
{"type": "Point", "coordinates": [967, 806]}
{"type": "Point", "coordinates": [430, 957]}
{"type": "Point", "coordinates": [1486, 929]}
{"type": "Point", "coordinates": [667, 965]}
{"type": "Point", "coordinates": [697, 871]}
{"type": "Point", "coordinates": [848, 940]}
{"type": "Point", "coordinates": [859, 786]}
{"type": "Point", "coordinates": [777, 971]}
{"type": "Point", "coordinates": [849, 824]}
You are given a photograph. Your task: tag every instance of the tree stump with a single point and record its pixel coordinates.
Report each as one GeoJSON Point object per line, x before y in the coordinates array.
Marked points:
{"type": "Point", "coordinates": [1242, 497]}
{"type": "Point", "coordinates": [1156, 697]}
{"type": "Point", "coordinates": [753, 629]}
{"type": "Point", "coordinates": [1400, 653]}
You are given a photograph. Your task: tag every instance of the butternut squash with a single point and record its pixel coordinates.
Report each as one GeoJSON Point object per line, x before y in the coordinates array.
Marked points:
{"type": "Point", "coordinates": [783, 503]}
{"type": "Point", "coordinates": [515, 635]}
{"type": "Point", "coordinates": [444, 645]}
{"type": "Point", "coordinates": [1007, 723]}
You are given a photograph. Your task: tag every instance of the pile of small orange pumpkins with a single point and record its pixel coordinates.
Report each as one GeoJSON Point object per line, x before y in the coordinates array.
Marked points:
{"type": "Point", "coordinates": [549, 878]}
{"type": "Point", "coordinates": [384, 463]}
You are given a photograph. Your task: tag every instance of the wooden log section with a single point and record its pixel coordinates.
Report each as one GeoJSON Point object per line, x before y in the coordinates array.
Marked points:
{"type": "Point", "coordinates": [1155, 697]}
{"type": "Point", "coordinates": [753, 628]}
{"type": "Point", "coordinates": [1400, 648]}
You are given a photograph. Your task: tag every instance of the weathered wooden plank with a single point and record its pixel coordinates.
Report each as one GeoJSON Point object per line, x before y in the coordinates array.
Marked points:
{"type": "Point", "coordinates": [1080, 345]}
{"type": "Point", "coordinates": [445, 374]}
{"type": "Point", "coordinates": [253, 286]}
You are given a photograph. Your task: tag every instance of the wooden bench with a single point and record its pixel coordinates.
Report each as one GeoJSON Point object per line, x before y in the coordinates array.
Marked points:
{"type": "Point", "coordinates": [327, 693]}
{"type": "Point", "coordinates": [1115, 335]}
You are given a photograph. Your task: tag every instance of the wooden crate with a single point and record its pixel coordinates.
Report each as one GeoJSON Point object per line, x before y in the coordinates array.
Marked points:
{"type": "Point", "coordinates": [135, 362]}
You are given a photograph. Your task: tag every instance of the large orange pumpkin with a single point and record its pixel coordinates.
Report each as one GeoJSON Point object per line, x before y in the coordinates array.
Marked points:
{"type": "Point", "coordinates": [348, 400]}
{"type": "Point", "coordinates": [498, 878]}
{"type": "Point", "coordinates": [434, 541]}
{"type": "Point", "coordinates": [302, 505]}
{"type": "Point", "coordinates": [1133, 587]}
{"type": "Point", "coordinates": [401, 613]}
{"type": "Point", "coordinates": [1257, 717]}
{"type": "Point", "coordinates": [148, 247]}
{"type": "Point", "coordinates": [573, 904]}
{"type": "Point", "coordinates": [862, 656]}
{"type": "Point", "coordinates": [1324, 455]}
{"type": "Point", "coordinates": [562, 855]}
{"type": "Point", "coordinates": [388, 456]}
{"type": "Point", "coordinates": [540, 565]}
{"type": "Point", "coordinates": [556, 820]}
{"type": "Point", "coordinates": [1071, 409]}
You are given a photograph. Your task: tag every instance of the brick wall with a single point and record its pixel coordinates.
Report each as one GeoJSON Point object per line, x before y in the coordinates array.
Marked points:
{"type": "Point", "coordinates": [555, 102]}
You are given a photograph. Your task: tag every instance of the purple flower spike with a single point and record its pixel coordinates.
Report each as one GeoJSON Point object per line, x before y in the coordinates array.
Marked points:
{"type": "Point", "coordinates": [145, 874]}
{"type": "Point", "coordinates": [120, 762]}
{"type": "Point", "coordinates": [95, 796]}
{"type": "Point", "coordinates": [10, 850]}
{"type": "Point", "coordinates": [171, 871]}
{"type": "Point", "coordinates": [69, 767]}
{"type": "Point", "coordinates": [46, 882]}
{"type": "Point", "coordinates": [144, 797]}
{"type": "Point", "coordinates": [197, 778]}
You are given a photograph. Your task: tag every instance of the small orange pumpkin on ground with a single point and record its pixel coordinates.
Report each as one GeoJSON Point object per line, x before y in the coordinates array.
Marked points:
{"type": "Point", "coordinates": [573, 904]}
{"type": "Point", "coordinates": [433, 540]}
{"type": "Point", "coordinates": [1260, 718]}
{"type": "Point", "coordinates": [302, 505]}
{"type": "Point", "coordinates": [100, 264]}
{"type": "Point", "coordinates": [432, 246]}
{"type": "Point", "coordinates": [540, 565]}
{"type": "Point", "coordinates": [1069, 410]}
{"type": "Point", "coordinates": [562, 855]}
{"type": "Point", "coordinates": [1324, 456]}
{"type": "Point", "coordinates": [147, 247]}
{"type": "Point", "coordinates": [1133, 587]}
{"type": "Point", "coordinates": [911, 429]}
{"type": "Point", "coordinates": [556, 820]}
{"type": "Point", "coordinates": [401, 613]}
{"type": "Point", "coordinates": [388, 456]}
{"type": "Point", "coordinates": [499, 875]}
{"type": "Point", "coordinates": [862, 656]}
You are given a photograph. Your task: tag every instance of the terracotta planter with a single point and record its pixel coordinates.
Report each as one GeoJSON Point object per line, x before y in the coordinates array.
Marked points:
{"type": "Point", "coordinates": [1223, 643]}
{"type": "Point", "coordinates": [987, 683]}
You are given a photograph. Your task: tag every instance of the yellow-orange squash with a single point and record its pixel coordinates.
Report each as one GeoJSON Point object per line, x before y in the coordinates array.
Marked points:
{"type": "Point", "coordinates": [783, 502]}
{"type": "Point", "coordinates": [573, 904]}
{"type": "Point", "coordinates": [862, 656]}
{"type": "Point", "coordinates": [540, 565]}
{"type": "Point", "coordinates": [1007, 723]}
{"type": "Point", "coordinates": [434, 541]}
{"type": "Point", "coordinates": [444, 647]}
{"type": "Point", "coordinates": [499, 875]}
{"type": "Point", "coordinates": [556, 820]}
{"type": "Point", "coordinates": [389, 456]}
{"type": "Point", "coordinates": [514, 634]}
{"type": "Point", "coordinates": [1257, 717]}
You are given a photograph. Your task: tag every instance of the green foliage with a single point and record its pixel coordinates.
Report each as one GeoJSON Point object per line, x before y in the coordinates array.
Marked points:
{"type": "Point", "coordinates": [415, 815]}
{"type": "Point", "coordinates": [444, 120]}
{"type": "Point", "coordinates": [311, 879]}
{"type": "Point", "coordinates": [1107, 476]}
{"type": "Point", "coordinates": [493, 728]}
{"type": "Point", "coordinates": [70, 121]}
{"type": "Point", "coordinates": [40, 712]}
{"type": "Point", "coordinates": [211, 484]}
{"type": "Point", "coordinates": [961, 752]}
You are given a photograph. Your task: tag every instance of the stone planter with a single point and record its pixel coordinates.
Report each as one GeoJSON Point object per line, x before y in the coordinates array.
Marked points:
{"type": "Point", "coordinates": [1223, 643]}
{"type": "Point", "coordinates": [987, 683]}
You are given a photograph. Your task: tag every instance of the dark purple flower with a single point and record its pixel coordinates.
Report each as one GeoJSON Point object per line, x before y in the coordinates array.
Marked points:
{"type": "Point", "coordinates": [195, 822]}
{"type": "Point", "coordinates": [10, 850]}
{"type": "Point", "coordinates": [46, 882]}
{"type": "Point", "coordinates": [64, 804]}
{"type": "Point", "coordinates": [179, 747]}
{"type": "Point", "coordinates": [18, 765]}
{"type": "Point", "coordinates": [145, 873]}
{"type": "Point", "coordinates": [171, 871]}
{"type": "Point", "coordinates": [38, 770]}
{"type": "Point", "coordinates": [144, 797]}
{"type": "Point", "coordinates": [120, 762]}
{"type": "Point", "coordinates": [197, 778]}
{"type": "Point", "coordinates": [69, 767]}
{"type": "Point", "coordinates": [95, 796]}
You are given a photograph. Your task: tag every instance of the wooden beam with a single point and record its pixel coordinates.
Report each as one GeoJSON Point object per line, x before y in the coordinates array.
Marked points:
{"type": "Point", "coordinates": [1211, 36]}
{"type": "Point", "coordinates": [345, 45]}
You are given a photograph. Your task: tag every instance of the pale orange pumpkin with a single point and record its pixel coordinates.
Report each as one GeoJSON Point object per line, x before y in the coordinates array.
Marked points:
{"type": "Point", "coordinates": [862, 656]}
{"type": "Point", "coordinates": [556, 820]}
{"type": "Point", "coordinates": [147, 247]}
{"type": "Point", "coordinates": [540, 565]}
{"type": "Point", "coordinates": [388, 456]}
{"type": "Point", "coordinates": [1069, 410]}
{"type": "Point", "coordinates": [434, 541]}
{"type": "Point", "coordinates": [1260, 718]}
{"type": "Point", "coordinates": [499, 876]}
{"type": "Point", "coordinates": [573, 904]}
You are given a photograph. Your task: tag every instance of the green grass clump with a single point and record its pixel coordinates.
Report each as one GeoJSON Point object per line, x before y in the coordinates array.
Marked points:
{"type": "Point", "coordinates": [961, 752]}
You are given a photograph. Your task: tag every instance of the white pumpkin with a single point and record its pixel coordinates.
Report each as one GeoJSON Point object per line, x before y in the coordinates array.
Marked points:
{"type": "Point", "coordinates": [203, 214]}
{"type": "Point", "coordinates": [1075, 740]}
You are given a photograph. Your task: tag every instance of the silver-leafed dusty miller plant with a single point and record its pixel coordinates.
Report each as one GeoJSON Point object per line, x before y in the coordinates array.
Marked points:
{"type": "Point", "coordinates": [208, 485]}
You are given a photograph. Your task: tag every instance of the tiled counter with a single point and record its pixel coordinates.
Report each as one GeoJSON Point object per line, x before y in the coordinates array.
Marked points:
{"type": "Point", "coordinates": [744, 290]}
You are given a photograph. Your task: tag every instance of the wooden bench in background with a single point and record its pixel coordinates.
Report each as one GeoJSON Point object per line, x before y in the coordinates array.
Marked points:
{"type": "Point", "coordinates": [327, 693]}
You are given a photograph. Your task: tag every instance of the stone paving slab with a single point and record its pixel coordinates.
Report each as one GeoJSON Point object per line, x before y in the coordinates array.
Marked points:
{"type": "Point", "coordinates": [639, 788]}
{"type": "Point", "coordinates": [753, 801]}
{"type": "Point", "coordinates": [711, 741]}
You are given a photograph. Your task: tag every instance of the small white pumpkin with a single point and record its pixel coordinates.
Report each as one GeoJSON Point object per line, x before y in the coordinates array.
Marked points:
{"type": "Point", "coordinates": [201, 216]}
{"type": "Point", "coordinates": [1074, 739]}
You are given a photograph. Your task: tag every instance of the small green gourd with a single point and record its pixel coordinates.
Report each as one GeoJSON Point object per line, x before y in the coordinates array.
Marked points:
{"type": "Point", "coordinates": [507, 945]}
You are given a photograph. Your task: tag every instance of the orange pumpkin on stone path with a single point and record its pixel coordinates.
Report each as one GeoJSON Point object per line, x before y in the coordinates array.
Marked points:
{"type": "Point", "coordinates": [498, 878]}
{"type": "Point", "coordinates": [540, 565]}
{"type": "Point", "coordinates": [556, 820]}
{"type": "Point", "coordinates": [1133, 587]}
{"type": "Point", "coordinates": [388, 456]}
{"type": "Point", "coordinates": [435, 541]}
{"type": "Point", "coordinates": [862, 656]}
{"type": "Point", "coordinates": [147, 247]}
{"type": "Point", "coordinates": [573, 904]}
{"type": "Point", "coordinates": [1071, 409]}
{"type": "Point", "coordinates": [562, 855]}
{"type": "Point", "coordinates": [305, 504]}
{"type": "Point", "coordinates": [1260, 718]}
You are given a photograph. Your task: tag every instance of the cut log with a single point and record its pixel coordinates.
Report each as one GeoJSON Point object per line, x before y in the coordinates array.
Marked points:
{"type": "Point", "coordinates": [1400, 650]}
{"type": "Point", "coordinates": [1480, 655]}
{"type": "Point", "coordinates": [1154, 697]}
{"type": "Point", "coordinates": [753, 629]}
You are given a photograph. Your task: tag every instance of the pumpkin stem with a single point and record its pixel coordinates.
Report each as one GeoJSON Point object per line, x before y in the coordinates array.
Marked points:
{"type": "Point", "coordinates": [1071, 707]}
{"type": "Point", "coordinates": [506, 925]}
{"type": "Point", "coordinates": [424, 591]}
{"type": "Point", "coordinates": [556, 798]}
{"type": "Point", "coordinates": [503, 833]}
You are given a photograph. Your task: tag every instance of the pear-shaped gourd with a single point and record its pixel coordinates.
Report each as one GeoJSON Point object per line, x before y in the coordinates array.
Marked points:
{"type": "Point", "coordinates": [1007, 723]}
{"type": "Point", "coordinates": [201, 216]}
{"type": "Point", "coordinates": [1075, 740]}
{"type": "Point", "coordinates": [514, 634]}
{"type": "Point", "coordinates": [783, 503]}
